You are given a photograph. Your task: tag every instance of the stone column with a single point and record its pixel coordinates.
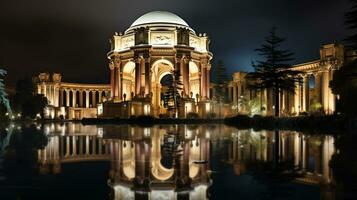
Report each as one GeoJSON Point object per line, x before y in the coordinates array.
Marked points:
{"type": "Point", "coordinates": [325, 91]}
{"type": "Point", "coordinates": [137, 76]}
{"type": "Point", "coordinates": [297, 106]}
{"type": "Point", "coordinates": [81, 98]}
{"type": "Point", "coordinates": [100, 96]}
{"type": "Point", "coordinates": [185, 75]}
{"type": "Point", "coordinates": [208, 80]}
{"type": "Point", "coordinates": [67, 98]}
{"type": "Point", "coordinates": [317, 89]}
{"type": "Point", "coordinates": [74, 98]}
{"type": "Point", "coordinates": [87, 98]}
{"type": "Point", "coordinates": [147, 77]}
{"type": "Point", "coordinates": [112, 79]}
{"type": "Point", "coordinates": [305, 90]}
{"type": "Point", "coordinates": [203, 81]}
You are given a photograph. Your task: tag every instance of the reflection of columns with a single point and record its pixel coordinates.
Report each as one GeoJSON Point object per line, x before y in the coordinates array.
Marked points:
{"type": "Point", "coordinates": [87, 98]}
{"type": "Point", "coordinates": [67, 98]}
{"type": "Point", "coordinates": [67, 147]}
{"type": "Point", "coordinates": [296, 149]}
{"type": "Point", "coordinates": [327, 151]}
{"type": "Point", "coordinates": [74, 146]}
{"type": "Point", "coordinates": [303, 139]}
{"type": "Point", "coordinates": [87, 145]}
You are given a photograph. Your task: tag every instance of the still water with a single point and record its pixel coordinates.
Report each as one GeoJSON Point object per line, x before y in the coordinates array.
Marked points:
{"type": "Point", "coordinates": [122, 162]}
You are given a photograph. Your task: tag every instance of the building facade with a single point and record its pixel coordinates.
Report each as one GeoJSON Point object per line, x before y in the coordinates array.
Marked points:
{"type": "Point", "coordinates": [141, 62]}
{"type": "Point", "coordinates": [71, 100]}
{"type": "Point", "coordinates": [141, 59]}
{"type": "Point", "coordinates": [311, 94]}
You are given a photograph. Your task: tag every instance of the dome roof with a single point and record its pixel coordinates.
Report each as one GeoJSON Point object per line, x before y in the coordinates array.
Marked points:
{"type": "Point", "coordinates": [159, 18]}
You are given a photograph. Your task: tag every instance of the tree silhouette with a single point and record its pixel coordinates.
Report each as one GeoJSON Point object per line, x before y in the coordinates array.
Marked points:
{"type": "Point", "coordinates": [221, 81]}
{"type": "Point", "coordinates": [172, 95]}
{"type": "Point", "coordinates": [351, 23]}
{"type": "Point", "coordinates": [274, 71]}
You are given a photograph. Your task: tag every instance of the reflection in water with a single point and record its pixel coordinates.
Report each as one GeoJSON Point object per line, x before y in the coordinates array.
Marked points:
{"type": "Point", "coordinates": [174, 161]}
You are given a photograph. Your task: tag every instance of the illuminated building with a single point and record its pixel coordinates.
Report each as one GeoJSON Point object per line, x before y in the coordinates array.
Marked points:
{"type": "Point", "coordinates": [153, 47]}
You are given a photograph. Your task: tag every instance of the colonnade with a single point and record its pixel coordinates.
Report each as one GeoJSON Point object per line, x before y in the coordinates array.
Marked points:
{"type": "Point", "coordinates": [73, 148]}
{"type": "Point", "coordinates": [308, 153]}
{"type": "Point", "coordinates": [81, 98]}
{"type": "Point", "coordinates": [143, 76]}
{"type": "Point", "coordinates": [312, 90]}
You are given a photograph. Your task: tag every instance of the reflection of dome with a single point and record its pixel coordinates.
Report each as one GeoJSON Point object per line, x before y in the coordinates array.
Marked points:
{"type": "Point", "coordinates": [159, 18]}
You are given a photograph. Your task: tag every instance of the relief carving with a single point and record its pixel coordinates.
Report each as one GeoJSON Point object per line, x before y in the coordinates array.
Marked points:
{"type": "Point", "coordinates": [128, 42]}
{"type": "Point", "coordinates": [162, 39]}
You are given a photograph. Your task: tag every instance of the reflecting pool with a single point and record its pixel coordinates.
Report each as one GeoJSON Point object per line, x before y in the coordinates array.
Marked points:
{"type": "Point", "coordinates": [173, 162]}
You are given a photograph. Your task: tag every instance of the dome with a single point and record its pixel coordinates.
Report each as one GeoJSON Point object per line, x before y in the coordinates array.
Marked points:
{"type": "Point", "coordinates": [157, 18]}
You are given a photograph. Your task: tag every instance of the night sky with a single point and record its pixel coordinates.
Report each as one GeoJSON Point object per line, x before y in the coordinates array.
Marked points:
{"type": "Point", "coordinates": [71, 36]}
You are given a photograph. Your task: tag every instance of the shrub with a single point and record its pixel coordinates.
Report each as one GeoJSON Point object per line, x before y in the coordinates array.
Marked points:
{"type": "Point", "coordinates": [192, 115]}
{"type": "Point", "coordinates": [211, 115]}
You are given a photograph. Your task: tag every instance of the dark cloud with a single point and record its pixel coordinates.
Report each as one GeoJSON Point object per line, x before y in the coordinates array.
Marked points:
{"type": "Point", "coordinates": [71, 36]}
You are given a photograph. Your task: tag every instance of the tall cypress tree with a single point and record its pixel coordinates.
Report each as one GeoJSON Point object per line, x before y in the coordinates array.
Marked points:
{"type": "Point", "coordinates": [221, 81]}
{"type": "Point", "coordinates": [274, 71]}
{"type": "Point", "coordinates": [351, 24]}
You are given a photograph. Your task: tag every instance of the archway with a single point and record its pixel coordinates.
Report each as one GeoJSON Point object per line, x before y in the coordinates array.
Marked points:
{"type": "Point", "coordinates": [194, 80]}
{"type": "Point", "coordinates": [161, 72]}
{"type": "Point", "coordinates": [128, 80]}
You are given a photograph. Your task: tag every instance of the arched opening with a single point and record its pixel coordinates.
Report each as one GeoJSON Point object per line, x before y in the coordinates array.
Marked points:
{"type": "Point", "coordinates": [128, 80]}
{"type": "Point", "coordinates": [91, 99]}
{"type": "Point", "coordinates": [71, 98]}
{"type": "Point", "coordinates": [77, 98]}
{"type": "Point", "coordinates": [194, 80]}
{"type": "Point", "coordinates": [160, 79]}
{"type": "Point", "coordinates": [84, 95]}
{"type": "Point", "coordinates": [166, 81]}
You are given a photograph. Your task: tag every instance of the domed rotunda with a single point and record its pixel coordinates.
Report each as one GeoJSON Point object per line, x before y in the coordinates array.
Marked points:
{"type": "Point", "coordinates": [149, 51]}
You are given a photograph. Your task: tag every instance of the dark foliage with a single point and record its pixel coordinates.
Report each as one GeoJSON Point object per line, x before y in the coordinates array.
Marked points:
{"type": "Point", "coordinates": [344, 165]}
{"type": "Point", "coordinates": [27, 101]}
{"type": "Point", "coordinates": [351, 23]}
{"type": "Point", "coordinates": [172, 95]}
{"type": "Point", "coordinates": [221, 82]}
{"type": "Point", "coordinates": [274, 71]}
